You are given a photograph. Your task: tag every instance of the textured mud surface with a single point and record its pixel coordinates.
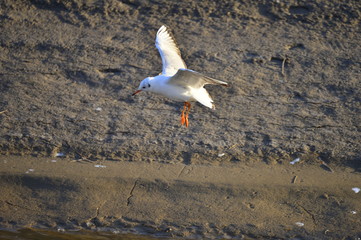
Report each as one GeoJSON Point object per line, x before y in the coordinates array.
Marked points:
{"type": "Point", "coordinates": [68, 69]}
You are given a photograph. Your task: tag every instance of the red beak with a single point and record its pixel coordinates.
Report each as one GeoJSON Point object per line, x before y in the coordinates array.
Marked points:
{"type": "Point", "coordinates": [138, 91]}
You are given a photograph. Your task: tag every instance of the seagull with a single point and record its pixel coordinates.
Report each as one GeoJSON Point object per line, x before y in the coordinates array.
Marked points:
{"type": "Point", "coordinates": [176, 81]}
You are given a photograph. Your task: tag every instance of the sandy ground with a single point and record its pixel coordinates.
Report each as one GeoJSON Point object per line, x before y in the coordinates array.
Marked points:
{"type": "Point", "coordinates": [67, 72]}
{"type": "Point", "coordinates": [256, 201]}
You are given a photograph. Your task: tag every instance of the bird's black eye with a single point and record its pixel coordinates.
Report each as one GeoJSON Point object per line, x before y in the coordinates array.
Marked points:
{"type": "Point", "coordinates": [143, 87]}
{"type": "Point", "coordinates": [148, 85]}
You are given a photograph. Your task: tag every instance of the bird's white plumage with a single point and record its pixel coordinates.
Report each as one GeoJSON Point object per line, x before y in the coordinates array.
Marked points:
{"type": "Point", "coordinates": [177, 82]}
{"type": "Point", "coordinates": [169, 52]}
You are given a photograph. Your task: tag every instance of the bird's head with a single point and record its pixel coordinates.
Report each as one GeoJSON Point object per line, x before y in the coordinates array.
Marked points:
{"type": "Point", "coordinates": [143, 86]}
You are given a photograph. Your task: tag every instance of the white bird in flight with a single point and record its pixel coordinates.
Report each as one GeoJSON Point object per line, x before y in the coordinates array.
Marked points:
{"type": "Point", "coordinates": [176, 81]}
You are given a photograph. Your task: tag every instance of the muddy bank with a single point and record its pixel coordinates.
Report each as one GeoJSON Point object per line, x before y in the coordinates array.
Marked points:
{"type": "Point", "coordinates": [68, 69]}
{"type": "Point", "coordinates": [254, 201]}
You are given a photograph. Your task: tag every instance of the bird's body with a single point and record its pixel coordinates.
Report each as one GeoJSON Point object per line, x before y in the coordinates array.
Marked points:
{"type": "Point", "coordinates": [159, 84]}
{"type": "Point", "coordinates": [176, 81]}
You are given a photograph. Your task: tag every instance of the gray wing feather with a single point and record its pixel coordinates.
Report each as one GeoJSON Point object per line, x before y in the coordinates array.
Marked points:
{"type": "Point", "coordinates": [186, 77]}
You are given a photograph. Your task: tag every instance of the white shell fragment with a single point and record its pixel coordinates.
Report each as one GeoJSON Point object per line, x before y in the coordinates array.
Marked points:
{"type": "Point", "coordinates": [59, 154]}
{"type": "Point", "coordinates": [356, 189]}
{"type": "Point", "coordinates": [221, 154]}
{"type": "Point", "coordinates": [100, 166]}
{"type": "Point", "coordinates": [98, 109]}
{"type": "Point", "coordinates": [300, 224]}
{"type": "Point", "coordinates": [295, 161]}
{"type": "Point", "coordinates": [30, 170]}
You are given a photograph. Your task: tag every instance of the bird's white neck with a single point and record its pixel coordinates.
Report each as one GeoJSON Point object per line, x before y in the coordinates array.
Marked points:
{"type": "Point", "coordinates": [157, 82]}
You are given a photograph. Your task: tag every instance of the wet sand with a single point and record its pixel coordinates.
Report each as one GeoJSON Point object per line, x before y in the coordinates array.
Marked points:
{"type": "Point", "coordinates": [66, 76]}
{"type": "Point", "coordinates": [255, 200]}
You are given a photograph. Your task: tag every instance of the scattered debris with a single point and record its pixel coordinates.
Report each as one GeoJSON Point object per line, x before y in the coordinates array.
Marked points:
{"type": "Point", "coordinates": [221, 154]}
{"type": "Point", "coordinates": [100, 166]}
{"type": "Point", "coordinates": [300, 224]}
{"type": "Point", "coordinates": [294, 179]}
{"type": "Point", "coordinates": [353, 212]}
{"type": "Point", "coordinates": [131, 192]}
{"type": "Point", "coordinates": [356, 189]}
{"type": "Point", "coordinates": [233, 146]}
{"type": "Point", "coordinates": [326, 167]}
{"type": "Point", "coordinates": [308, 212]}
{"type": "Point", "coordinates": [295, 161]}
{"type": "Point", "coordinates": [283, 66]}
{"type": "Point", "coordinates": [98, 109]}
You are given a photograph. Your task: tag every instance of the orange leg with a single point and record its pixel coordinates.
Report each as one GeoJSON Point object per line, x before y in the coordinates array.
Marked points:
{"type": "Point", "coordinates": [183, 117]}
{"type": "Point", "coordinates": [185, 114]}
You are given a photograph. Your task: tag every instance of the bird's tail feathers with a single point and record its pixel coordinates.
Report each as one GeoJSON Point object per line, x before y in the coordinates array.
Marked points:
{"type": "Point", "coordinates": [204, 98]}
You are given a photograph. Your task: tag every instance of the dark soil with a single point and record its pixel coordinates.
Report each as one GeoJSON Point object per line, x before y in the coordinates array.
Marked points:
{"type": "Point", "coordinates": [68, 69]}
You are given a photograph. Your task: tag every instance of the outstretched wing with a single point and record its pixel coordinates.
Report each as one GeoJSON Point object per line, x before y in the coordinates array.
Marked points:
{"type": "Point", "coordinates": [188, 78]}
{"type": "Point", "coordinates": [169, 52]}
